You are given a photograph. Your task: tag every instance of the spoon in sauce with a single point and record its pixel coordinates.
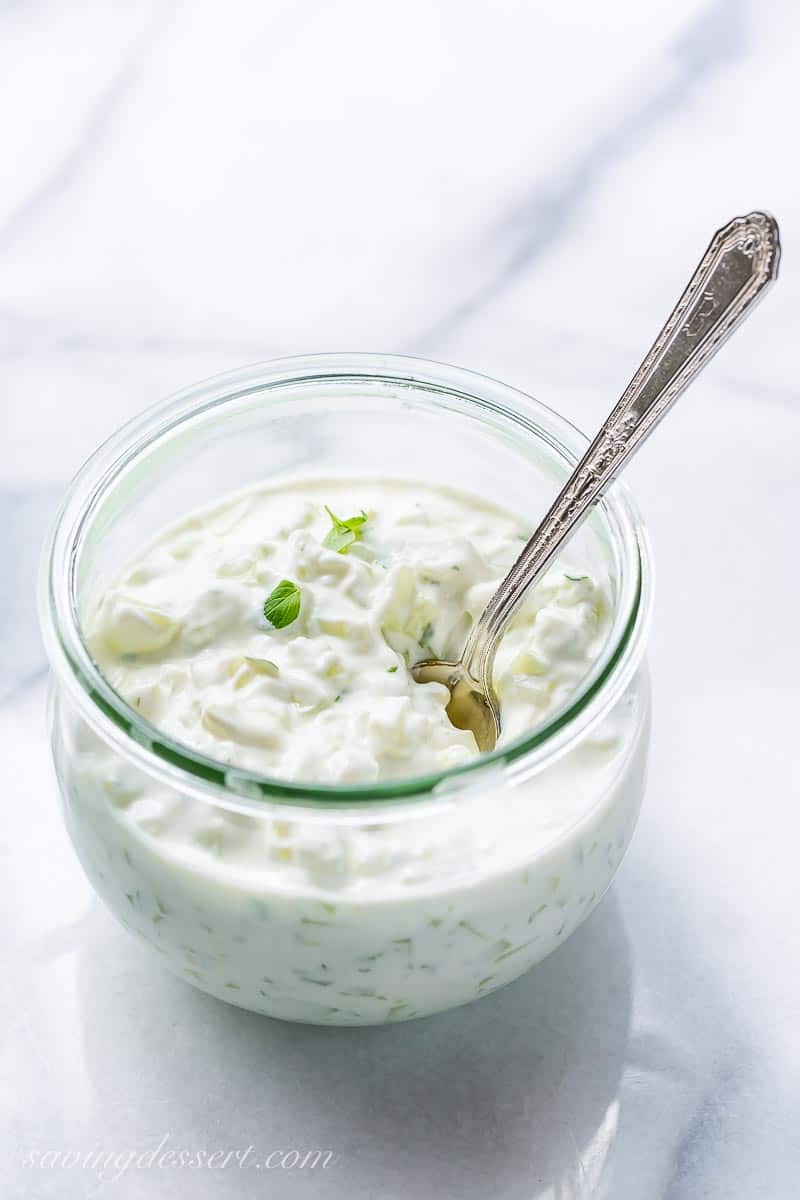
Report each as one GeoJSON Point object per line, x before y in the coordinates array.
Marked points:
{"type": "Point", "coordinates": [740, 264]}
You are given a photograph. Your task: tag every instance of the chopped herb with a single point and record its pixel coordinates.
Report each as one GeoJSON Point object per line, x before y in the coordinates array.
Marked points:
{"type": "Point", "coordinates": [471, 929]}
{"type": "Point", "coordinates": [391, 670]}
{"type": "Point", "coordinates": [310, 979]}
{"type": "Point", "coordinates": [342, 534]}
{"type": "Point", "coordinates": [507, 953]}
{"type": "Point", "coordinates": [575, 578]}
{"type": "Point", "coordinates": [282, 606]}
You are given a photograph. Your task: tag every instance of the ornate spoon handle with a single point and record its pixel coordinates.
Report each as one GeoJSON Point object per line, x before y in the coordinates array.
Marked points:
{"type": "Point", "coordinates": [739, 265]}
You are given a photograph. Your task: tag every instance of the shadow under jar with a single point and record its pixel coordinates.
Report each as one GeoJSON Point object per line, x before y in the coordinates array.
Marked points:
{"type": "Point", "coordinates": [358, 904]}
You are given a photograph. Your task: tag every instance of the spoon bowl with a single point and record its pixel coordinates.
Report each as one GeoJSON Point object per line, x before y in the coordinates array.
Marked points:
{"type": "Point", "coordinates": [469, 707]}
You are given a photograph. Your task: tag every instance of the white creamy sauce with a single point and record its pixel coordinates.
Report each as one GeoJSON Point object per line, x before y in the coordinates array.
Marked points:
{"type": "Point", "coordinates": [343, 915]}
{"type": "Point", "coordinates": [183, 638]}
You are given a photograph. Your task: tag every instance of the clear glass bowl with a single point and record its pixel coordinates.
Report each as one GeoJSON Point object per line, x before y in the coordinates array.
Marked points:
{"type": "Point", "coordinates": [362, 904]}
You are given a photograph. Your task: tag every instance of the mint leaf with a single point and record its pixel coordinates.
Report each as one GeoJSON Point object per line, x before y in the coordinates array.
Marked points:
{"type": "Point", "coordinates": [342, 534]}
{"type": "Point", "coordinates": [282, 605]}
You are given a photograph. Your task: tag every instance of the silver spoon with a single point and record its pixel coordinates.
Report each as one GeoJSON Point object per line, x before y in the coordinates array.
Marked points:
{"type": "Point", "coordinates": [739, 265]}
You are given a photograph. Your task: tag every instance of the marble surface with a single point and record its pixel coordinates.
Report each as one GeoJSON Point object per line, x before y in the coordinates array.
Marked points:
{"type": "Point", "coordinates": [520, 188]}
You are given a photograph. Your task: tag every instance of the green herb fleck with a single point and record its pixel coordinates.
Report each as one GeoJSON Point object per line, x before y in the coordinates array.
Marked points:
{"type": "Point", "coordinates": [507, 953]}
{"type": "Point", "coordinates": [282, 606]}
{"type": "Point", "coordinates": [392, 670]}
{"type": "Point", "coordinates": [342, 534]}
{"type": "Point", "coordinates": [311, 979]}
{"type": "Point", "coordinates": [576, 578]}
{"type": "Point", "coordinates": [471, 929]}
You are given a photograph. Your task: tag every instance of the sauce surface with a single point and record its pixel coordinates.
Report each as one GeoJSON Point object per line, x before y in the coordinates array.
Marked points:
{"type": "Point", "coordinates": [364, 578]}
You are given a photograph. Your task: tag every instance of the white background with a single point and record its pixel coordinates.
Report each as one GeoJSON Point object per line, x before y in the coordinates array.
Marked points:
{"type": "Point", "coordinates": [518, 187]}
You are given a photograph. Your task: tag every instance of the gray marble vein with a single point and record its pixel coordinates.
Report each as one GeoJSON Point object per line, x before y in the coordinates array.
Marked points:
{"type": "Point", "coordinates": [536, 223]}
{"type": "Point", "coordinates": [25, 337]}
{"type": "Point", "coordinates": [89, 137]}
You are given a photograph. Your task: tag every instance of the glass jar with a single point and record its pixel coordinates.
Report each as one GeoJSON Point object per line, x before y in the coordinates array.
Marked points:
{"type": "Point", "coordinates": [361, 904]}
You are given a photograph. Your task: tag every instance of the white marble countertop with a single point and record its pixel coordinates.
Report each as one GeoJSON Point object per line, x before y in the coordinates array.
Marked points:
{"type": "Point", "coordinates": [188, 187]}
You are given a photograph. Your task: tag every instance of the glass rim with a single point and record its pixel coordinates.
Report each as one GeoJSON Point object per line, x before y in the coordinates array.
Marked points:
{"type": "Point", "coordinates": [110, 716]}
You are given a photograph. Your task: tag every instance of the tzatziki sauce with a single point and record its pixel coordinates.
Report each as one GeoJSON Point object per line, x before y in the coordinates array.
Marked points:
{"type": "Point", "coordinates": [273, 633]}
{"type": "Point", "coordinates": [374, 577]}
